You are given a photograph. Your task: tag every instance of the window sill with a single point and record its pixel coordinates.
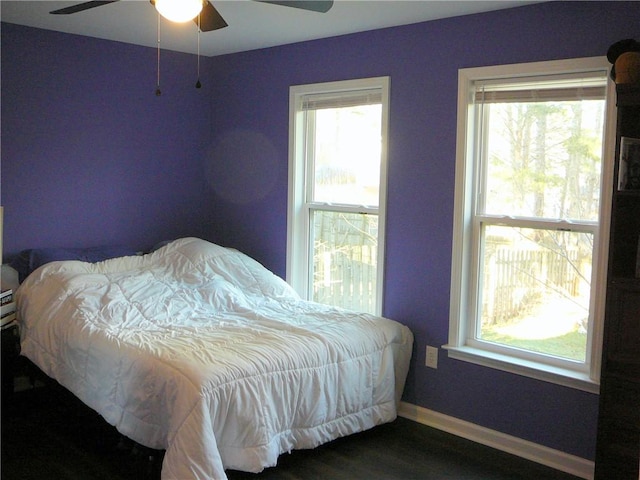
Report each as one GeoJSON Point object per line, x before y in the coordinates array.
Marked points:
{"type": "Point", "coordinates": [539, 371]}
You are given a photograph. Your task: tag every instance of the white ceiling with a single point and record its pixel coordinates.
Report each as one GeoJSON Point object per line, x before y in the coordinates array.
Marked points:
{"type": "Point", "coordinates": [252, 25]}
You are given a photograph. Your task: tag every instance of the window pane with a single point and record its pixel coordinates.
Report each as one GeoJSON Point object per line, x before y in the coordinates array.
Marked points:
{"type": "Point", "coordinates": [347, 155]}
{"type": "Point", "coordinates": [542, 159]}
{"type": "Point", "coordinates": [345, 250]}
{"type": "Point", "coordinates": [535, 290]}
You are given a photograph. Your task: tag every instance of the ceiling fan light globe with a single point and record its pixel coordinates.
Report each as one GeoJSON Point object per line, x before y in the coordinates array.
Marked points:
{"type": "Point", "coordinates": [179, 10]}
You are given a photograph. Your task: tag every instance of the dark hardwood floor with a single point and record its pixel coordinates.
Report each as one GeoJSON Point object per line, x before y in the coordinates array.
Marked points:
{"type": "Point", "coordinates": [48, 434]}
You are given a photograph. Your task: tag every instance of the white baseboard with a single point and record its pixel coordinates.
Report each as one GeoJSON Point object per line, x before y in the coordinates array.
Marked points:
{"type": "Point", "coordinates": [562, 461]}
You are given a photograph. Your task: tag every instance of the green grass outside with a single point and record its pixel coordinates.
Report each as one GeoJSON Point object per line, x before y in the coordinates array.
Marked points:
{"type": "Point", "coordinates": [571, 345]}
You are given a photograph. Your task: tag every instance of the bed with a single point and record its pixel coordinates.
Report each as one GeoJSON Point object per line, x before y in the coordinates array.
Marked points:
{"type": "Point", "coordinates": [200, 351]}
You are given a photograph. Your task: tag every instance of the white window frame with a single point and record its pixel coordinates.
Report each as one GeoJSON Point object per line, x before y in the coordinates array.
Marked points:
{"type": "Point", "coordinates": [299, 250]}
{"type": "Point", "coordinates": [461, 344]}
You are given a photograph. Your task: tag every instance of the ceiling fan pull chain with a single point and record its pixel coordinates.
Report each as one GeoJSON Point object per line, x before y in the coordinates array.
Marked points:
{"type": "Point", "coordinates": [158, 91]}
{"type": "Point", "coordinates": [198, 84]}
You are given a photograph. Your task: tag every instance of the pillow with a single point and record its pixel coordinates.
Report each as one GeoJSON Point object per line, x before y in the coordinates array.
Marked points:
{"type": "Point", "coordinates": [29, 260]}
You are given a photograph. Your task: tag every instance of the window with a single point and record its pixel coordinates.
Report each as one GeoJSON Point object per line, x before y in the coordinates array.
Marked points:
{"type": "Point", "coordinates": [529, 249]}
{"type": "Point", "coordinates": [337, 192]}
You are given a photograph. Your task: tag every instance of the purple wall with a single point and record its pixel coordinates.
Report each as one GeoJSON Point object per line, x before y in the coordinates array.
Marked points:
{"type": "Point", "coordinates": [91, 156]}
{"type": "Point", "coordinates": [250, 92]}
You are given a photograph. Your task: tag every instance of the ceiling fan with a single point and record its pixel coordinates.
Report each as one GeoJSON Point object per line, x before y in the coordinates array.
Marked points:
{"type": "Point", "coordinates": [210, 19]}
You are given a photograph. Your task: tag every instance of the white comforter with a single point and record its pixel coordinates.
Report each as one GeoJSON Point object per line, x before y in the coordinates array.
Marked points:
{"type": "Point", "coordinates": [199, 350]}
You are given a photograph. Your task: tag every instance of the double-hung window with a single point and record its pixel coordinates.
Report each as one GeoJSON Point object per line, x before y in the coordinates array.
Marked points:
{"type": "Point", "coordinates": [337, 190]}
{"type": "Point", "coordinates": [531, 209]}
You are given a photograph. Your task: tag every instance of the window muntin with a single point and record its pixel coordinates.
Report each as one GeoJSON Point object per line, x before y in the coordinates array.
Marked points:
{"type": "Point", "coordinates": [525, 289]}
{"type": "Point", "coordinates": [337, 192]}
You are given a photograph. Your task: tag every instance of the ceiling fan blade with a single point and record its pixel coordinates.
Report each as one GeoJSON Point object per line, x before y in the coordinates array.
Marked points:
{"type": "Point", "coordinates": [322, 6]}
{"type": "Point", "coordinates": [210, 19]}
{"type": "Point", "coordinates": [80, 7]}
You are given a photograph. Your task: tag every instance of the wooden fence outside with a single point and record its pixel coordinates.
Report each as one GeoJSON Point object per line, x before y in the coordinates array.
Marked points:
{"type": "Point", "coordinates": [515, 281]}
{"type": "Point", "coordinates": [345, 258]}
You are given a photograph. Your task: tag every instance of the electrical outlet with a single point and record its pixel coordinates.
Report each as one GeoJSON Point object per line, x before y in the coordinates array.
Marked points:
{"type": "Point", "coordinates": [432, 357]}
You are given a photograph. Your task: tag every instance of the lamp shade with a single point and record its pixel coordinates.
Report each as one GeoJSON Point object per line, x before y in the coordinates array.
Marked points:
{"type": "Point", "coordinates": [179, 10]}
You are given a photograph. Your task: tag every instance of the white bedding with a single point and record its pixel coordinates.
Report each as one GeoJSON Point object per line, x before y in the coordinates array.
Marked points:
{"type": "Point", "coordinates": [199, 350]}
